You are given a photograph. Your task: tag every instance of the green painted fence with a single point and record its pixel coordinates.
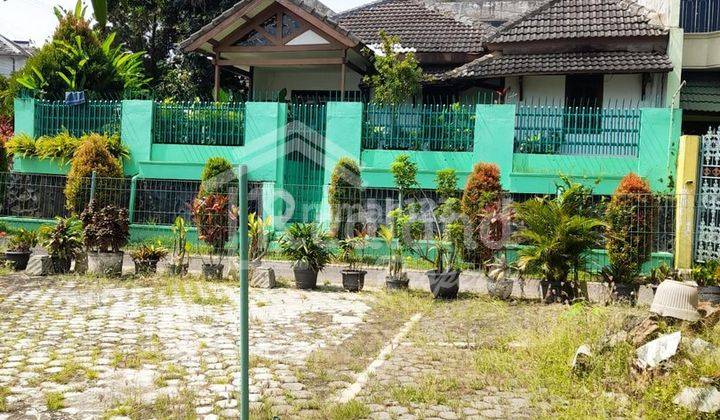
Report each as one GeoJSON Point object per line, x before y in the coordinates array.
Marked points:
{"type": "Point", "coordinates": [426, 127]}
{"type": "Point", "coordinates": [594, 131]}
{"type": "Point", "coordinates": [53, 117]}
{"type": "Point", "coordinates": [199, 123]}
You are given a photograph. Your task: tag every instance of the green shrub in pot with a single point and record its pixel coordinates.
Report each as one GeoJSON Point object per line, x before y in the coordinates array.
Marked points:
{"type": "Point", "coordinates": [20, 248]}
{"type": "Point", "coordinates": [352, 252]}
{"type": "Point", "coordinates": [146, 258]}
{"type": "Point", "coordinates": [63, 241]}
{"type": "Point", "coordinates": [308, 247]}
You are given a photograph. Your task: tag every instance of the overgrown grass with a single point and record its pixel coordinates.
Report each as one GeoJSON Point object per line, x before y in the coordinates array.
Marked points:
{"type": "Point", "coordinates": [54, 401]}
{"type": "Point", "coordinates": [181, 406]}
{"type": "Point", "coordinates": [353, 410]}
{"type": "Point", "coordinates": [4, 392]}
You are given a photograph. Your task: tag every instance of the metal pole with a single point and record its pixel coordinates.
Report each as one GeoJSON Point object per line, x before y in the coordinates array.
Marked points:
{"type": "Point", "coordinates": [244, 304]}
{"type": "Point", "coordinates": [92, 185]}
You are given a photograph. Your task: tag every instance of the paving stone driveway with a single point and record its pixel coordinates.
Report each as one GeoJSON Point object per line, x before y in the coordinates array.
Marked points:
{"type": "Point", "coordinates": [73, 350]}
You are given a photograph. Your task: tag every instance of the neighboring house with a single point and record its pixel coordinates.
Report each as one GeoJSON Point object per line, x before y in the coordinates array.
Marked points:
{"type": "Point", "coordinates": [305, 48]}
{"type": "Point", "coordinates": [700, 98]}
{"type": "Point", "coordinates": [597, 53]}
{"type": "Point", "coordinates": [13, 55]}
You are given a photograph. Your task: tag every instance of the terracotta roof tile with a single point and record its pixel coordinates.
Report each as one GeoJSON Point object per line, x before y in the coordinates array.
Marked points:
{"type": "Point", "coordinates": [417, 25]}
{"type": "Point", "coordinates": [568, 19]}
{"type": "Point", "coordinates": [497, 65]}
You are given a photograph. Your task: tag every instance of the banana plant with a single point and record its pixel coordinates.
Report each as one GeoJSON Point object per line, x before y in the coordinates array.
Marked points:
{"type": "Point", "coordinates": [99, 10]}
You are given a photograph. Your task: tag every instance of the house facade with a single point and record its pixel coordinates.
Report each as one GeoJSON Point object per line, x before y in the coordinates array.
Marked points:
{"type": "Point", "coordinates": [13, 55]}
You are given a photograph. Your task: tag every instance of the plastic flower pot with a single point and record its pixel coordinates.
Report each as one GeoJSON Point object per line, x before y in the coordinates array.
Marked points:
{"type": "Point", "coordinates": [145, 267]}
{"type": "Point", "coordinates": [397, 283]}
{"type": "Point", "coordinates": [305, 278]}
{"type": "Point", "coordinates": [353, 280]}
{"type": "Point", "coordinates": [178, 269]}
{"type": "Point", "coordinates": [444, 285]}
{"type": "Point", "coordinates": [105, 263]}
{"type": "Point", "coordinates": [557, 291]}
{"type": "Point", "coordinates": [19, 260]}
{"type": "Point", "coordinates": [213, 271]}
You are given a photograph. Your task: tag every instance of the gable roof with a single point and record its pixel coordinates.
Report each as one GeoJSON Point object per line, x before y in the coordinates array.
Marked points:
{"type": "Point", "coordinates": [418, 27]}
{"type": "Point", "coordinates": [568, 19]}
{"type": "Point", "coordinates": [499, 65]}
{"type": "Point", "coordinates": [8, 47]}
{"type": "Point", "coordinates": [314, 7]}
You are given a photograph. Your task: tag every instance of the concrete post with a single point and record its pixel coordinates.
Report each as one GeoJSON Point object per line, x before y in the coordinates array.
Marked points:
{"type": "Point", "coordinates": [686, 185]}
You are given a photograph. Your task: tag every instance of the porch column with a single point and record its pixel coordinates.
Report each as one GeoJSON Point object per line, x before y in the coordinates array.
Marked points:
{"type": "Point", "coordinates": [216, 89]}
{"type": "Point", "coordinates": [686, 189]}
{"type": "Point", "coordinates": [343, 70]}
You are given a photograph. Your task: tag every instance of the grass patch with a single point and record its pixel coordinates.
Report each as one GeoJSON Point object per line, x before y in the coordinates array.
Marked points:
{"type": "Point", "coordinates": [180, 407]}
{"type": "Point", "coordinates": [431, 390]}
{"type": "Point", "coordinates": [54, 401]}
{"type": "Point", "coordinates": [170, 372]}
{"type": "Point", "coordinates": [353, 410]}
{"type": "Point", "coordinates": [72, 371]}
{"type": "Point", "coordinates": [4, 392]}
{"type": "Point", "coordinates": [135, 359]}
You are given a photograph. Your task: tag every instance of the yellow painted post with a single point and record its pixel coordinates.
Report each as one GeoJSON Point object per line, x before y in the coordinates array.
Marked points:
{"type": "Point", "coordinates": [686, 185]}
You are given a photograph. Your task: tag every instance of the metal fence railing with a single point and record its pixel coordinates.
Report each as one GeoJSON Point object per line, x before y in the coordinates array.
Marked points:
{"type": "Point", "coordinates": [449, 128]}
{"type": "Point", "coordinates": [560, 130]}
{"type": "Point", "coordinates": [199, 123]}
{"type": "Point", "coordinates": [53, 117]}
{"type": "Point", "coordinates": [698, 16]}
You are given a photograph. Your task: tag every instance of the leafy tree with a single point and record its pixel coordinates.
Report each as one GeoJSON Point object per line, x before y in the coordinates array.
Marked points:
{"type": "Point", "coordinates": [629, 215]}
{"type": "Point", "coordinates": [481, 199]}
{"type": "Point", "coordinates": [156, 27]}
{"type": "Point", "coordinates": [398, 76]}
{"type": "Point", "coordinates": [344, 195]}
{"type": "Point", "coordinates": [78, 58]}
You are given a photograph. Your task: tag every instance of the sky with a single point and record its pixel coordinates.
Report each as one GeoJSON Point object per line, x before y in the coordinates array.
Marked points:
{"type": "Point", "coordinates": [35, 20]}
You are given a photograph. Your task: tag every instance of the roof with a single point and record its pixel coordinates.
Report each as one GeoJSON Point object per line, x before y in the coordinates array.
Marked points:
{"type": "Point", "coordinates": [498, 65]}
{"type": "Point", "coordinates": [8, 47]}
{"type": "Point", "coordinates": [418, 26]}
{"type": "Point", "coordinates": [568, 19]}
{"type": "Point", "coordinates": [314, 7]}
{"type": "Point", "coordinates": [700, 96]}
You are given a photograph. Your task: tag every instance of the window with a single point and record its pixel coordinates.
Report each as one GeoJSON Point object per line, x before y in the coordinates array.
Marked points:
{"type": "Point", "coordinates": [583, 103]}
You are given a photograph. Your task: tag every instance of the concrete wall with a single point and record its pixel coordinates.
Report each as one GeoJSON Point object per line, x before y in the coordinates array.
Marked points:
{"type": "Point", "coordinates": [310, 78]}
{"type": "Point", "coordinates": [701, 51]}
{"type": "Point", "coordinates": [8, 64]}
{"type": "Point", "coordinates": [618, 89]}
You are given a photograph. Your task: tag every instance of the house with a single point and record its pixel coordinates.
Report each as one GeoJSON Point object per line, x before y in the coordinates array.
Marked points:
{"type": "Point", "coordinates": [700, 97]}
{"type": "Point", "coordinates": [578, 53]}
{"type": "Point", "coordinates": [302, 47]}
{"type": "Point", "coordinates": [13, 55]}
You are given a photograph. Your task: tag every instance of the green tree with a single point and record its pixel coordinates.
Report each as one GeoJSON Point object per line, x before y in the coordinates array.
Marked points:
{"type": "Point", "coordinates": [156, 27]}
{"type": "Point", "coordinates": [398, 75]}
{"type": "Point", "coordinates": [344, 195]}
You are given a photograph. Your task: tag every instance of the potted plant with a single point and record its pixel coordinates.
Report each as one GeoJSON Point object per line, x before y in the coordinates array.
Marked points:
{"type": "Point", "coordinates": [106, 231]}
{"type": "Point", "coordinates": [555, 234]}
{"type": "Point", "coordinates": [443, 245]}
{"type": "Point", "coordinates": [63, 242]}
{"type": "Point", "coordinates": [146, 258]}
{"type": "Point", "coordinates": [706, 275]}
{"type": "Point", "coordinates": [629, 216]}
{"type": "Point", "coordinates": [396, 279]}
{"type": "Point", "coordinates": [480, 203]}
{"type": "Point", "coordinates": [211, 213]}
{"type": "Point", "coordinates": [181, 255]}
{"type": "Point", "coordinates": [307, 245]}
{"type": "Point", "coordinates": [500, 278]}
{"type": "Point", "coordinates": [260, 235]}
{"type": "Point", "coordinates": [20, 248]}
{"type": "Point", "coordinates": [352, 278]}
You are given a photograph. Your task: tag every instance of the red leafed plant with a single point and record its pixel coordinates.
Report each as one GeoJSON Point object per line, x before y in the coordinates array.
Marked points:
{"type": "Point", "coordinates": [480, 201]}
{"type": "Point", "coordinates": [6, 128]}
{"type": "Point", "coordinates": [211, 214]}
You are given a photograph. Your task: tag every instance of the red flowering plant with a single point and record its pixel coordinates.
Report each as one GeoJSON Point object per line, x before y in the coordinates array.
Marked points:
{"type": "Point", "coordinates": [6, 128]}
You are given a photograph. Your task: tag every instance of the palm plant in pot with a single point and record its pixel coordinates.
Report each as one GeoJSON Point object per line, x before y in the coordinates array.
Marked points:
{"type": "Point", "coordinates": [630, 216]}
{"type": "Point", "coordinates": [556, 233]}
{"type": "Point", "coordinates": [105, 232]}
{"type": "Point", "coordinates": [308, 247]}
{"type": "Point", "coordinates": [181, 249]}
{"type": "Point", "coordinates": [63, 242]}
{"type": "Point", "coordinates": [352, 252]}
{"type": "Point", "coordinates": [146, 258]}
{"type": "Point", "coordinates": [20, 248]}
{"type": "Point", "coordinates": [260, 235]}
